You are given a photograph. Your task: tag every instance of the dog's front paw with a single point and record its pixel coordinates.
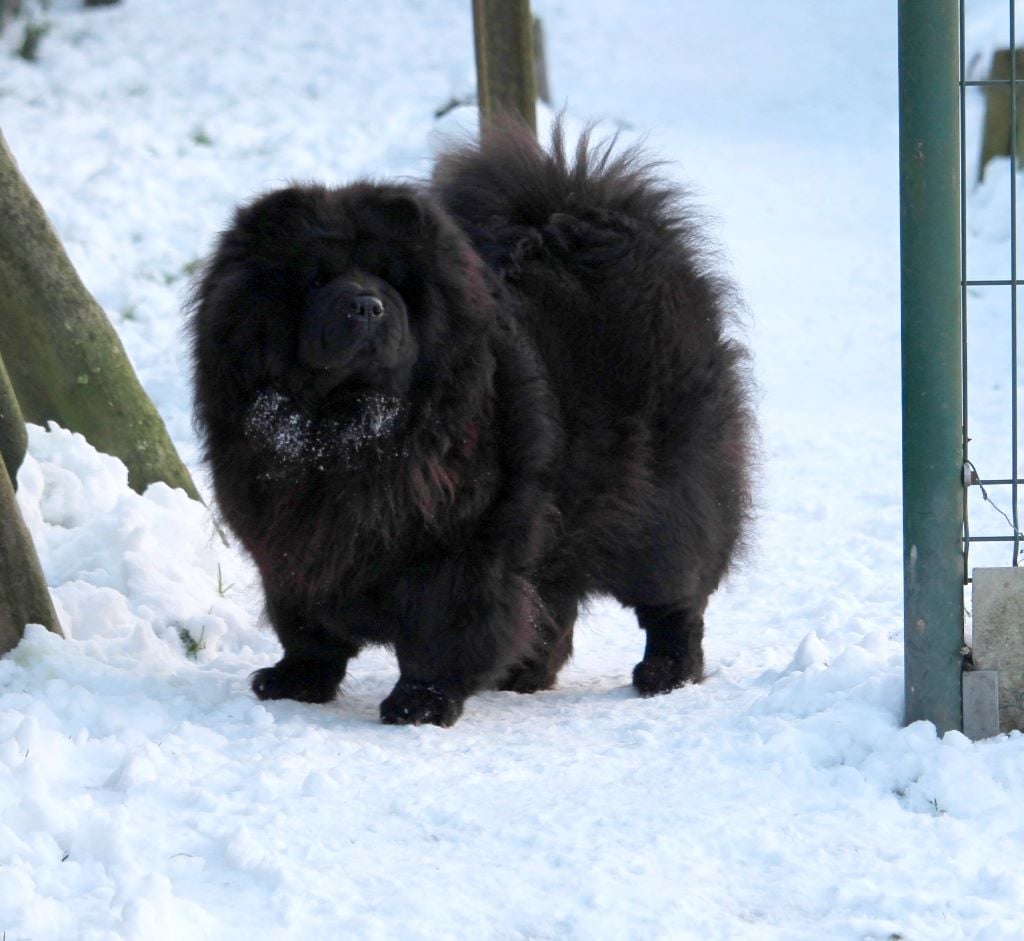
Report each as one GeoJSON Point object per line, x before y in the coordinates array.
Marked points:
{"type": "Point", "coordinates": [412, 703]}
{"type": "Point", "coordinates": [304, 680]}
{"type": "Point", "coordinates": [653, 676]}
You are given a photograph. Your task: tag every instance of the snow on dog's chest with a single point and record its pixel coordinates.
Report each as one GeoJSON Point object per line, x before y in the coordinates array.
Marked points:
{"type": "Point", "coordinates": [275, 425]}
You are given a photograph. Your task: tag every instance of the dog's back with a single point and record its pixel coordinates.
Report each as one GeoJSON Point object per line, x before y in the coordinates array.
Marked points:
{"type": "Point", "coordinates": [627, 313]}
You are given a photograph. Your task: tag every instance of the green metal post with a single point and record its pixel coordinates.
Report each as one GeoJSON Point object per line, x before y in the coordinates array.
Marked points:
{"type": "Point", "coordinates": [931, 351]}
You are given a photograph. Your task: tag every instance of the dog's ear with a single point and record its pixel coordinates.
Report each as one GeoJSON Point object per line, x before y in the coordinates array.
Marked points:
{"type": "Point", "coordinates": [404, 212]}
{"type": "Point", "coordinates": [280, 216]}
{"type": "Point", "coordinates": [405, 216]}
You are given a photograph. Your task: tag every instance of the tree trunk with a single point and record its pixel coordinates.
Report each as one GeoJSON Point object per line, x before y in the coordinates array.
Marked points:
{"type": "Point", "coordinates": [24, 597]}
{"type": "Point", "coordinates": [505, 79]}
{"type": "Point", "coordinates": [65, 361]}
{"type": "Point", "coordinates": [13, 438]}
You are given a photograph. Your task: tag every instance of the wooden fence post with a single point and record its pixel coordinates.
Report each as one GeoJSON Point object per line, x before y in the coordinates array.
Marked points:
{"type": "Point", "coordinates": [506, 82]}
{"type": "Point", "coordinates": [64, 359]}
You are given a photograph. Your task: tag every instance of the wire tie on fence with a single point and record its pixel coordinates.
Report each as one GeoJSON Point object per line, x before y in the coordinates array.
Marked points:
{"type": "Point", "coordinates": [971, 478]}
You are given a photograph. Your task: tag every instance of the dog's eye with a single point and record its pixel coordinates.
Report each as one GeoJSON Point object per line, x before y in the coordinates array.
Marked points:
{"type": "Point", "coordinates": [398, 272]}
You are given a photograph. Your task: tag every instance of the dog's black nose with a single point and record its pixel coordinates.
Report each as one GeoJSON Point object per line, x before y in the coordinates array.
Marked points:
{"type": "Point", "coordinates": [366, 306]}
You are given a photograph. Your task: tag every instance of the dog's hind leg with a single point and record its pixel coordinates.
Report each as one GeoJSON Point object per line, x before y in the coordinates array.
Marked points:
{"type": "Point", "coordinates": [673, 655]}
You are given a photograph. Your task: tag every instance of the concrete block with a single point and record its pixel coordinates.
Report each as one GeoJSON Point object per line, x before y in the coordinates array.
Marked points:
{"type": "Point", "coordinates": [981, 704]}
{"type": "Point", "coordinates": [997, 603]}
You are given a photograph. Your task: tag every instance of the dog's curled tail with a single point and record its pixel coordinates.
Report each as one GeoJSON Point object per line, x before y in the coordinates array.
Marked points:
{"type": "Point", "coordinates": [511, 196]}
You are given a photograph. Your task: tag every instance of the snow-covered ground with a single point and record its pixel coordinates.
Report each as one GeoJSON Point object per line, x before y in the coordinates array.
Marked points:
{"type": "Point", "coordinates": [145, 793]}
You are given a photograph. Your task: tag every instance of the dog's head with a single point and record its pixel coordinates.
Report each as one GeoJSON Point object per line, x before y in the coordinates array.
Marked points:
{"type": "Point", "coordinates": [327, 298]}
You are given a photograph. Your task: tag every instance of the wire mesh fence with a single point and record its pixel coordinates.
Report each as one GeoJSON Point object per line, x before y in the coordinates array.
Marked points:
{"type": "Point", "coordinates": [991, 88]}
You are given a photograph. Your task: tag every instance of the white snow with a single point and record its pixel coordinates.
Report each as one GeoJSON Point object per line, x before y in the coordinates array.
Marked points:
{"type": "Point", "coordinates": [146, 794]}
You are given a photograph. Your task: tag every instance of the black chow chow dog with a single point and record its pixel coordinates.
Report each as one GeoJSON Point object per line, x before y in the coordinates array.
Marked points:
{"type": "Point", "coordinates": [440, 418]}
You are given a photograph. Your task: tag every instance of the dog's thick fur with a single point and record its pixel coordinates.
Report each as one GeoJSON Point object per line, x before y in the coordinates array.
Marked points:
{"type": "Point", "coordinates": [439, 418]}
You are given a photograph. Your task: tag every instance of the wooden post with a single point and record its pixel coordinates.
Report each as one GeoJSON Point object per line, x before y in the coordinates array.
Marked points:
{"type": "Point", "coordinates": [540, 62]}
{"type": "Point", "coordinates": [506, 83]}
{"type": "Point", "coordinates": [64, 359]}
{"type": "Point", "coordinates": [24, 597]}
{"type": "Point", "coordinates": [999, 138]}
{"type": "Point", "coordinates": [13, 437]}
